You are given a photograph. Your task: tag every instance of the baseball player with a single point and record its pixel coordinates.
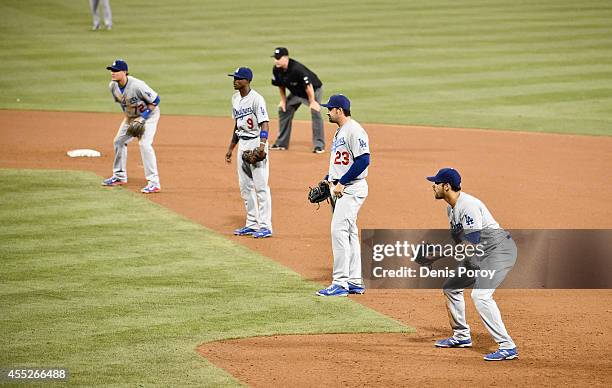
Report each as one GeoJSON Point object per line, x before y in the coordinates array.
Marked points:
{"type": "Point", "coordinates": [472, 223]}
{"type": "Point", "coordinates": [140, 103]}
{"type": "Point", "coordinates": [108, 14]}
{"type": "Point", "coordinates": [348, 167]}
{"type": "Point", "coordinates": [251, 132]}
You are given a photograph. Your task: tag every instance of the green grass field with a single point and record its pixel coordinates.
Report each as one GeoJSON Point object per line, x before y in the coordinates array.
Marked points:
{"type": "Point", "coordinates": [507, 64]}
{"type": "Point", "coordinates": [121, 291]}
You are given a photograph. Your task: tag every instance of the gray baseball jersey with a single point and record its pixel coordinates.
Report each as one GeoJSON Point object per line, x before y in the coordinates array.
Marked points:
{"type": "Point", "coordinates": [134, 97]}
{"type": "Point", "coordinates": [471, 215]}
{"type": "Point", "coordinates": [249, 112]}
{"type": "Point", "coordinates": [350, 142]}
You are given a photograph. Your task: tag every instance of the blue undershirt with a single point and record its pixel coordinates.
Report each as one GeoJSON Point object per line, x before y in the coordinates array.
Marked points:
{"type": "Point", "coordinates": [359, 165]}
{"type": "Point", "coordinates": [473, 237]}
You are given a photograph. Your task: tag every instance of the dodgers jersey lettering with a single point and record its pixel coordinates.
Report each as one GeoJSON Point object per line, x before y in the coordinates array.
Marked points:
{"type": "Point", "coordinates": [350, 142]}
{"type": "Point", "coordinates": [249, 112]}
{"type": "Point", "coordinates": [135, 96]}
{"type": "Point", "coordinates": [471, 215]}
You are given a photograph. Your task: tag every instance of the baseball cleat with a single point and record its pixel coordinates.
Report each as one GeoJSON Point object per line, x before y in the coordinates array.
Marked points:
{"type": "Point", "coordinates": [333, 290]}
{"type": "Point", "coordinates": [354, 288]}
{"type": "Point", "coordinates": [246, 231]}
{"type": "Point", "coordinates": [453, 342]}
{"type": "Point", "coordinates": [150, 189]}
{"type": "Point", "coordinates": [318, 150]}
{"type": "Point", "coordinates": [262, 233]}
{"type": "Point", "coordinates": [502, 354]}
{"type": "Point", "coordinates": [278, 148]}
{"type": "Point", "coordinates": [113, 181]}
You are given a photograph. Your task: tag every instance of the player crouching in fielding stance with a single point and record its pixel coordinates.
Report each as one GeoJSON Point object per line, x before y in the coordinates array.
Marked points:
{"type": "Point", "coordinates": [251, 134]}
{"type": "Point", "coordinates": [472, 223]}
{"type": "Point", "coordinates": [140, 104]}
{"type": "Point", "coordinates": [348, 167]}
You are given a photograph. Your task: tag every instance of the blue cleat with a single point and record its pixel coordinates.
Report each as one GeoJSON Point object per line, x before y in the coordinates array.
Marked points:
{"type": "Point", "coordinates": [245, 231]}
{"type": "Point", "coordinates": [333, 290]}
{"type": "Point", "coordinates": [262, 233]}
{"type": "Point", "coordinates": [502, 354]}
{"type": "Point", "coordinates": [113, 181]}
{"type": "Point", "coordinates": [150, 189]}
{"type": "Point", "coordinates": [355, 289]}
{"type": "Point", "coordinates": [453, 342]}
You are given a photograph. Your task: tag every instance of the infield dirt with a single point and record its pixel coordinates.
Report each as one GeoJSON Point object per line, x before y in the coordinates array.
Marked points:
{"type": "Point", "coordinates": [528, 180]}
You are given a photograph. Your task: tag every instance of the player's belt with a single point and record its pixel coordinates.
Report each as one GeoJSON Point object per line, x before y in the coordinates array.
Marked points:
{"type": "Point", "coordinates": [246, 137]}
{"type": "Point", "coordinates": [335, 181]}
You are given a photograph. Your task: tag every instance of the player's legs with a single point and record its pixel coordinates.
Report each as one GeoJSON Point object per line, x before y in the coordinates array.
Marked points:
{"type": "Point", "coordinates": [359, 189]}
{"type": "Point", "coordinates": [108, 15]}
{"type": "Point", "coordinates": [285, 121]}
{"type": "Point", "coordinates": [355, 275]}
{"type": "Point", "coordinates": [341, 246]}
{"type": "Point", "coordinates": [491, 317]}
{"type": "Point", "coordinates": [120, 143]}
{"type": "Point", "coordinates": [261, 174]}
{"type": "Point", "coordinates": [501, 261]}
{"type": "Point", "coordinates": [149, 160]}
{"type": "Point", "coordinates": [93, 5]}
{"type": "Point", "coordinates": [455, 305]}
{"type": "Point", "coordinates": [247, 192]}
{"type": "Point", "coordinates": [318, 136]}
{"type": "Point", "coordinates": [343, 223]}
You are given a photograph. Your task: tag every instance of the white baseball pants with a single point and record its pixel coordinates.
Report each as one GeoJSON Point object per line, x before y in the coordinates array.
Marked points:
{"type": "Point", "coordinates": [346, 246]}
{"type": "Point", "coordinates": [149, 160]}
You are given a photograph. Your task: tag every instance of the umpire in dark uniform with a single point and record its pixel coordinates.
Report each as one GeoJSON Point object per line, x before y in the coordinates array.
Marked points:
{"type": "Point", "coordinates": [305, 88]}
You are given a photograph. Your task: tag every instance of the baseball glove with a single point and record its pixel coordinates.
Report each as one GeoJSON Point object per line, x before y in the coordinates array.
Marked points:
{"type": "Point", "coordinates": [136, 128]}
{"type": "Point", "coordinates": [422, 259]}
{"type": "Point", "coordinates": [319, 193]}
{"type": "Point", "coordinates": [254, 156]}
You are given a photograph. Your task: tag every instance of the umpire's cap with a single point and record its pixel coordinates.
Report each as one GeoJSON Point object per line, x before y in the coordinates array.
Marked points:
{"type": "Point", "coordinates": [447, 175]}
{"type": "Point", "coordinates": [118, 65]}
{"type": "Point", "coordinates": [280, 52]}
{"type": "Point", "coordinates": [242, 73]}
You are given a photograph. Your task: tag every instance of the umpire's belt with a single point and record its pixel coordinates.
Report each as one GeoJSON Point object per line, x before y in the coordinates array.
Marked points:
{"type": "Point", "coordinates": [247, 138]}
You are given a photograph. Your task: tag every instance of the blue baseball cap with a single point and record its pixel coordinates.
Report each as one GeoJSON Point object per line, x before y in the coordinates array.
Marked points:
{"type": "Point", "coordinates": [338, 101]}
{"type": "Point", "coordinates": [118, 65]}
{"type": "Point", "coordinates": [243, 73]}
{"type": "Point", "coordinates": [447, 175]}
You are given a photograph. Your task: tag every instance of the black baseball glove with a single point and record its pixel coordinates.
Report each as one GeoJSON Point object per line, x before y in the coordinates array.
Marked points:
{"type": "Point", "coordinates": [422, 257]}
{"type": "Point", "coordinates": [319, 193]}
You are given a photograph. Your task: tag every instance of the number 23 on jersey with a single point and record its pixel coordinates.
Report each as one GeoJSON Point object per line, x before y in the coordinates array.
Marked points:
{"type": "Point", "coordinates": [342, 158]}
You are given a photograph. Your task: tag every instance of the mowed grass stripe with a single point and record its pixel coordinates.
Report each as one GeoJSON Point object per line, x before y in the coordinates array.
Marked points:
{"type": "Point", "coordinates": [121, 291]}
{"type": "Point", "coordinates": [389, 52]}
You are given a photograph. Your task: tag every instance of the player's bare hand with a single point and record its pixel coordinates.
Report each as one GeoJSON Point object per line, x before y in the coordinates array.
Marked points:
{"type": "Point", "coordinates": [282, 105]}
{"type": "Point", "coordinates": [315, 106]}
{"type": "Point", "coordinates": [338, 189]}
{"type": "Point", "coordinates": [228, 157]}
